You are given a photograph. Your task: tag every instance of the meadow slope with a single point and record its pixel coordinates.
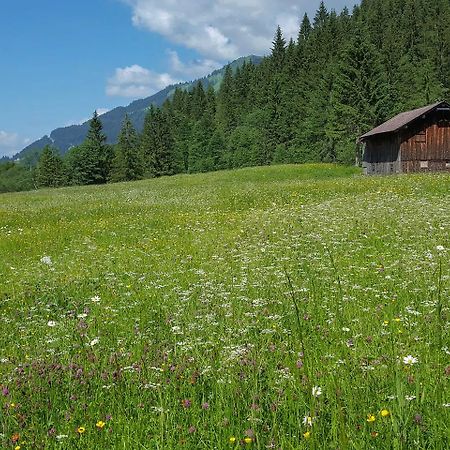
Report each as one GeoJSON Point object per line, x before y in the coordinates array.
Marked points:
{"type": "Point", "coordinates": [282, 307]}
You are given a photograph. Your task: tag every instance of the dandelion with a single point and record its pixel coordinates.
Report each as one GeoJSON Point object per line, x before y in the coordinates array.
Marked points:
{"type": "Point", "coordinates": [371, 418]}
{"type": "Point", "coordinates": [17, 447]}
{"type": "Point", "coordinates": [80, 430]}
{"type": "Point", "coordinates": [232, 440]}
{"type": "Point", "coordinates": [100, 424]}
{"type": "Point", "coordinates": [316, 391]}
{"type": "Point", "coordinates": [248, 440]}
{"type": "Point", "coordinates": [307, 434]}
{"type": "Point", "coordinates": [384, 413]}
{"type": "Point", "coordinates": [410, 360]}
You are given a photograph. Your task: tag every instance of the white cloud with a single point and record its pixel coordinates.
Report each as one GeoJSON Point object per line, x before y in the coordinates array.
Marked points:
{"type": "Point", "coordinates": [11, 143]}
{"type": "Point", "coordinates": [101, 111]}
{"type": "Point", "coordinates": [193, 69]}
{"type": "Point", "coordinates": [224, 29]}
{"type": "Point", "coordinates": [137, 82]}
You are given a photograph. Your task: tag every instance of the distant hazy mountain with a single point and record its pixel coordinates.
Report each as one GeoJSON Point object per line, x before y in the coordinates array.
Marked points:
{"type": "Point", "coordinates": [67, 137]}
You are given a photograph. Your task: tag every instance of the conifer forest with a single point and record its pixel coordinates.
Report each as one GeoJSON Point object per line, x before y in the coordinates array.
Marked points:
{"type": "Point", "coordinates": [307, 101]}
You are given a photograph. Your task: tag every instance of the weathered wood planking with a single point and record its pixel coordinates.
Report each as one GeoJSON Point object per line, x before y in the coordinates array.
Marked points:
{"type": "Point", "coordinates": [421, 145]}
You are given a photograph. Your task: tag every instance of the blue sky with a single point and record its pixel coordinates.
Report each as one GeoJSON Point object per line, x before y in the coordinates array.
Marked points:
{"type": "Point", "coordinates": [62, 59]}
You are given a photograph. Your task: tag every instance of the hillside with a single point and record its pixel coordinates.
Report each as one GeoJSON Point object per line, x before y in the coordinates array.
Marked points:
{"type": "Point", "coordinates": [66, 137]}
{"type": "Point", "coordinates": [281, 307]}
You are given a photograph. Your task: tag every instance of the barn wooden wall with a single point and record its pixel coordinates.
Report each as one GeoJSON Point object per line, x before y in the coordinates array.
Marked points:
{"type": "Point", "coordinates": [427, 144]}
{"type": "Point", "coordinates": [422, 147]}
{"type": "Point", "coordinates": [381, 155]}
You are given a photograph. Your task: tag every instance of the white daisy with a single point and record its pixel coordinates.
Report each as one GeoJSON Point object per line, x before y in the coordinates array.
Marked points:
{"type": "Point", "coordinates": [410, 360]}
{"type": "Point", "coordinates": [316, 391]}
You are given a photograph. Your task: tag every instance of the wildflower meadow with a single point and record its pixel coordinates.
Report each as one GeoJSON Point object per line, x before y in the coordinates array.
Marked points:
{"type": "Point", "coordinates": [286, 307]}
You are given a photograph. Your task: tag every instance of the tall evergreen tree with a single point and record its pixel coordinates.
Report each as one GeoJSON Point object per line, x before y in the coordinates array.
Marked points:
{"type": "Point", "coordinates": [127, 165]}
{"type": "Point", "coordinates": [50, 171]}
{"type": "Point", "coordinates": [91, 162]}
{"type": "Point", "coordinates": [226, 106]}
{"type": "Point", "coordinates": [157, 144]}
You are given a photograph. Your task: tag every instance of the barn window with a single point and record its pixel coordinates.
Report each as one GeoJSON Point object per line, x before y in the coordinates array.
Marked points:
{"type": "Point", "coordinates": [424, 164]}
{"type": "Point", "coordinates": [421, 137]}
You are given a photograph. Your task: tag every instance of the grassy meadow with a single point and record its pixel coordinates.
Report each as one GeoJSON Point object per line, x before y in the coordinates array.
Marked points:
{"type": "Point", "coordinates": [287, 307]}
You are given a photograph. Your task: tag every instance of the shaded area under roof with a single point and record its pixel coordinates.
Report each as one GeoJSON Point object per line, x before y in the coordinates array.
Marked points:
{"type": "Point", "coordinates": [401, 120]}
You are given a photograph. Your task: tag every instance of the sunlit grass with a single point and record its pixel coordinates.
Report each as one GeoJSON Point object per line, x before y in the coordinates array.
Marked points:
{"type": "Point", "coordinates": [282, 307]}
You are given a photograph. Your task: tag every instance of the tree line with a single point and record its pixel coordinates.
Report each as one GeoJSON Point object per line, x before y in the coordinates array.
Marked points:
{"type": "Point", "coordinates": [308, 101]}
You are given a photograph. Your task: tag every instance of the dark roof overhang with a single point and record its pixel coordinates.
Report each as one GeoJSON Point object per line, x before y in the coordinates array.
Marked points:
{"type": "Point", "coordinates": [404, 119]}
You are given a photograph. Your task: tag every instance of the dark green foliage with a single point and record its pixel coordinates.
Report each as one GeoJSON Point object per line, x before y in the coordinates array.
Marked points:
{"type": "Point", "coordinates": [90, 162]}
{"type": "Point", "coordinates": [50, 171]}
{"type": "Point", "coordinates": [157, 144]}
{"type": "Point", "coordinates": [15, 176]}
{"type": "Point", "coordinates": [127, 165]}
{"type": "Point", "coordinates": [308, 101]}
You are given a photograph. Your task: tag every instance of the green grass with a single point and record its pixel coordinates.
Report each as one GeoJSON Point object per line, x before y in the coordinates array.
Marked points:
{"type": "Point", "coordinates": [223, 300]}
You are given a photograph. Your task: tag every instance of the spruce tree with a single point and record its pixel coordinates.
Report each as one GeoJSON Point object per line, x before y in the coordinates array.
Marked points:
{"type": "Point", "coordinates": [226, 106]}
{"type": "Point", "coordinates": [50, 171]}
{"type": "Point", "coordinates": [127, 165]}
{"type": "Point", "coordinates": [97, 156]}
{"type": "Point", "coordinates": [157, 144]}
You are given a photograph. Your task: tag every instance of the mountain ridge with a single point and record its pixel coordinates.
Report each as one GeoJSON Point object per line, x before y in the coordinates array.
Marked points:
{"type": "Point", "coordinates": [63, 138]}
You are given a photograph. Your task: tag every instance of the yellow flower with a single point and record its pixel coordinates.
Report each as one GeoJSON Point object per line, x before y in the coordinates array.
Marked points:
{"type": "Point", "coordinates": [248, 440]}
{"type": "Point", "coordinates": [397, 319]}
{"type": "Point", "coordinates": [307, 434]}
{"type": "Point", "coordinates": [371, 418]}
{"type": "Point", "coordinates": [100, 424]}
{"type": "Point", "coordinates": [17, 447]}
{"type": "Point", "coordinates": [386, 322]}
{"type": "Point", "coordinates": [232, 440]}
{"type": "Point", "coordinates": [81, 430]}
{"type": "Point", "coordinates": [384, 413]}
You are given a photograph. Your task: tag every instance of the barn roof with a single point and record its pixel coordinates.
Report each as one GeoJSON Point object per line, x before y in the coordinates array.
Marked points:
{"type": "Point", "coordinates": [401, 120]}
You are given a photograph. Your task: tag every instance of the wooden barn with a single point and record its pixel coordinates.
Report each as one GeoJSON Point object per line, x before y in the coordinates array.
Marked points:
{"type": "Point", "coordinates": [413, 141]}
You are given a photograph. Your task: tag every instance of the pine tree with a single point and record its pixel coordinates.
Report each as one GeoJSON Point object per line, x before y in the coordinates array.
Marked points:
{"type": "Point", "coordinates": [126, 165]}
{"type": "Point", "coordinates": [50, 171]}
{"type": "Point", "coordinates": [199, 159]}
{"type": "Point", "coordinates": [226, 107]}
{"type": "Point", "coordinates": [360, 96]}
{"type": "Point", "coordinates": [278, 50]}
{"type": "Point", "coordinates": [157, 144]}
{"type": "Point", "coordinates": [93, 161]}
